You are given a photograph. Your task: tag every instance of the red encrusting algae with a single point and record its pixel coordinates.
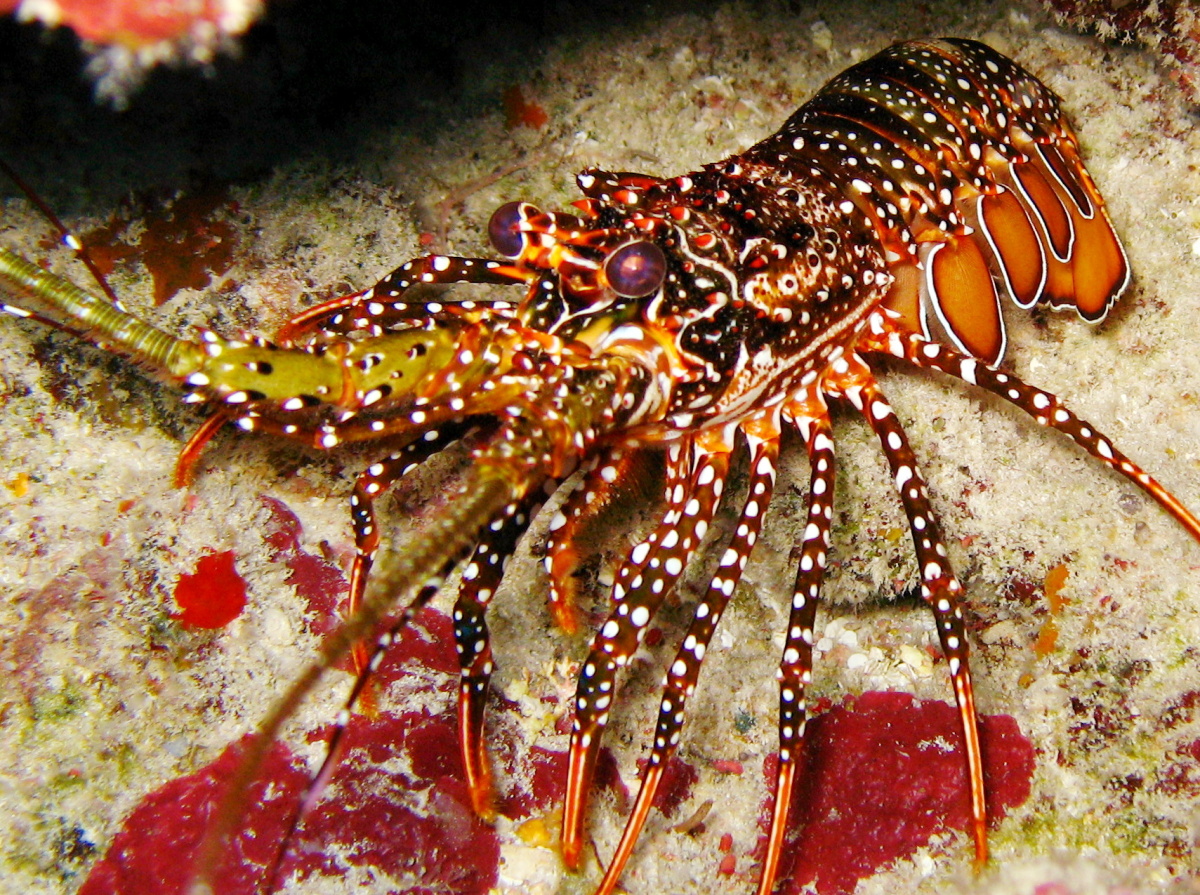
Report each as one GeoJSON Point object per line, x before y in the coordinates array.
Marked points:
{"type": "Point", "coordinates": [398, 803]}
{"type": "Point", "coordinates": [317, 580]}
{"type": "Point", "coordinates": [185, 240]}
{"type": "Point", "coordinates": [882, 774]}
{"type": "Point", "coordinates": [213, 595]}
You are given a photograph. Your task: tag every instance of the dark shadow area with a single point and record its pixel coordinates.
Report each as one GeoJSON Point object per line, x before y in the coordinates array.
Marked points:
{"type": "Point", "coordinates": [311, 77]}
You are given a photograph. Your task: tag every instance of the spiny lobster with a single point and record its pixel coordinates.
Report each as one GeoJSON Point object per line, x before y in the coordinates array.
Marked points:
{"type": "Point", "coordinates": [887, 218]}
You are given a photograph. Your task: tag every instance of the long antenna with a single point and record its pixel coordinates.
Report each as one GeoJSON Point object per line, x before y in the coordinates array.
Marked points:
{"type": "Point", "coordinates": [69, 239]}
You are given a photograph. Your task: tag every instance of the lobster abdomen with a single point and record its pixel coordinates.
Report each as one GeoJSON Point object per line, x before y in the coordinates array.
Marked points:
{"type": "Point", "coordinates": [970, 175]}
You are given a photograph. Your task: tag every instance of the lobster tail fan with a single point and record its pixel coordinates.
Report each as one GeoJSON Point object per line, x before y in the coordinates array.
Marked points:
{"type": "Point", "coordinates": [1020, 258]}
{"type": "Point", "coordinates": [1086, 265]}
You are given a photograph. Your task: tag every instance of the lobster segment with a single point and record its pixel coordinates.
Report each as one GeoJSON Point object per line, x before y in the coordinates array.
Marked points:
{"type": "Point", "coordinates": [381, 307]}
{"type": "Point", "coordinates": [1020, 257]}
{"type": "Point", "coordinates": [373, 482]}
{"type": "Point", "coordinates": [1055, 224]}
{"type": "Point", "coordinates": [1087, 268]}
{"type": "Point", "coordinates": [369, 486]}
{"type": "Point", "coordinates": [1099, 268]}
{"type": "Point", "coordinates": [86, 315]}
{"type": "Point", "coordinates": [960, 288]}
{"type": "Point", "coordinates": [189, 455]}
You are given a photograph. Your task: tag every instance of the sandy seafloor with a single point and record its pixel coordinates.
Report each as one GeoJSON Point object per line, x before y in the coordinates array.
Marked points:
{"type": "Point", "coordinates": [104, 699]}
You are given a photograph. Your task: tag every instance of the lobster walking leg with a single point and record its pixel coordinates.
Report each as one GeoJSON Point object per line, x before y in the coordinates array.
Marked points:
{"type": "Point", "coordinates": [939, 585]}
{"type": "Point", "coordinates": [384, 306]}
{"type": "Point", "coordinates": [1043, 406]}
{"type": "Point", "coordinates": [480, 578]}
{"type": "Point", "coordinates": [795, 670]}
{"type": "Point", "coordinates": [762, 436]}
{"type": "Point", "coordinates": [370, 485]}
{"type": "Point", "coordinates": [643, 582]}
{"type": "Point", "coordinates": [590, 494]}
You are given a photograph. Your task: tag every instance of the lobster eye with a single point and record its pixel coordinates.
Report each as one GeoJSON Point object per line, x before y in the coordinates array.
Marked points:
{"type": "Point", "coordinates": [636, 269]}
{"type": "Point", "coordinates": [503, 232]}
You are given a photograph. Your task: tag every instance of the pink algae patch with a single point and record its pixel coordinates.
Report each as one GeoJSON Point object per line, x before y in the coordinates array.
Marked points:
{"type": "Point", "coordinates": [676, 788]}
{"type": "Point", "coordinates": [546, 770]}
{"type": "Point", "coordinates": [154, 849]}
{"type": "Point", "coordinates": [397, 806]}
{"type": "Point", "coordinates": [213, 595]}
{"type": "Point", "coordinates": [319, 582]}
{"type": "Point", "coordinates": [881, 775]}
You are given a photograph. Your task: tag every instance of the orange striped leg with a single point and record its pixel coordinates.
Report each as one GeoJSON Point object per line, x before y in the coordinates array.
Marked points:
{"type": "Point", "coordinates": [591, 493]}
{"type": "Point", "coordinates": [480, 578]}
{"type": "Point", "coordinates": [939, 586]}
{"type": "Point", "coordinates": [185, 466]}
{"type": "Point", "coordinates": [795, 669]}
{"type": "Point", "coordinates": [377, 309]}
{"type": "Point", "coordinates": [1043, 406]}
{"type": "Point", "coordinates": [643, 582]}
{"type": "Point", "coordinates": [681, 679]}
{"type": "Point", "coordinates": [369, 485]}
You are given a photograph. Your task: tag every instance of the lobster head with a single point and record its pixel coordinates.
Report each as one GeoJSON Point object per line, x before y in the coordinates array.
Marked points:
{"type": "Point", "coordinates": [739, 281]}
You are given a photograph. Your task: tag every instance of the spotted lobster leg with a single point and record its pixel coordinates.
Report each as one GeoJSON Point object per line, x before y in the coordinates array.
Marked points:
{"type": "Point", "coordinates": [1043, 406]}
{"type": "Point", "coordinates": [590, 494]}
{"type": "Point", "coordinates": [371, 484]}
{"type": "Point", "coordinates": [480, 578]}
{"type": "Point", "coordinates": [696, 471]}
{"type": "Point", "coordinates": [940, 588]}
{"type": "Point", "coordinates": [811, 417]}
{"type": "Point", "coordinates": [382, 307]}
{"type": "Point", "coordinates": [762, 437]}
